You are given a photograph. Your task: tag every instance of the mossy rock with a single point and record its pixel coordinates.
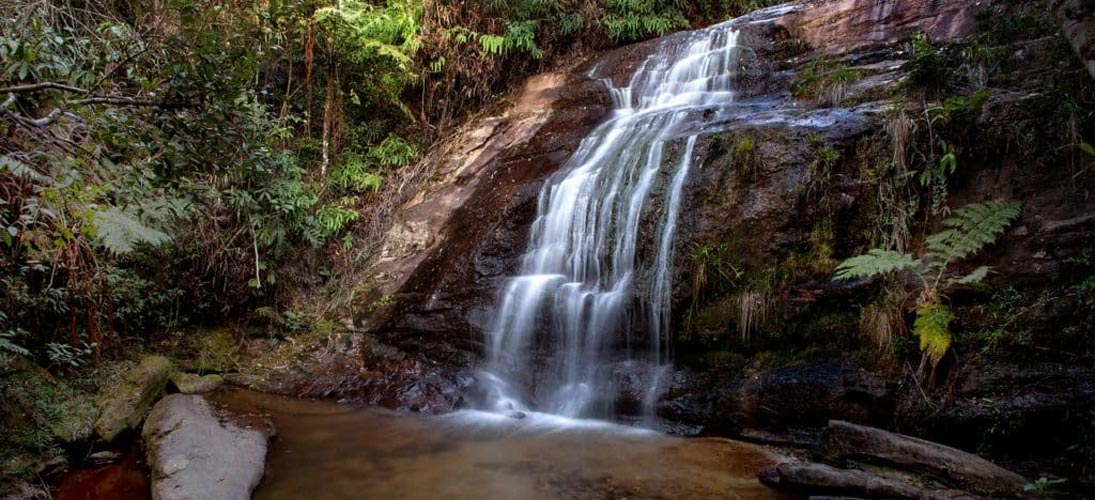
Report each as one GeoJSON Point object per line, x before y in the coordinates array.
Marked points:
{"type": "Point", "coordinates": [216, 351]}
{"type": "Point", "coordinates": [125, 405]}
{"type": "Point", "coordinates": [39, 408]}
{"type": "Point", "coordinates": [189, 383]}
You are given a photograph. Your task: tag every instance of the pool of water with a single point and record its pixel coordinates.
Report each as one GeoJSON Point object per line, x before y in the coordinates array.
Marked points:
{"type": "Point", "coordinates": [332, 451]}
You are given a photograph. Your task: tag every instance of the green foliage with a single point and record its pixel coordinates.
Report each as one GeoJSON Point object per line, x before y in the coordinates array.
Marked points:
{"type": "Point", "coordinates": [355, 175]}
{"type": "Point", "coordinates": [877, 262]}
{"type": "Point", "coordinates": [380, 41]}
{"type": "Point", "coordinates": [332, 219]}
{"type": "Point", "coordinates": [967, 231]}
{"type": "Point", "coordinates": [932, 326]}
{"type": "Point", "coordinates": [929, 67]}
{"type": "Point", "coordinates": [632, 20]}
{"type": "Point", "coordinates": [971, 228]}
{"type": "Point", "coordinates": [826, 80]}
{"type": "Point", "coordinates": [119, 231]}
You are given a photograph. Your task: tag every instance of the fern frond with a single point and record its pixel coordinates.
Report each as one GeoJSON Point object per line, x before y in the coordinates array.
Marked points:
{"type": "Point", "coordinates": [875, 262]}
{"type": "Point", "coordinates": [971, 228]}
{"type": "Point", "coordinates": [119, 231]}
{"type": "Point", "coordinates": [974, 277]}
{"type": "Point", "coordinates": [20, 169]}
{"type": "Point", "coordinates": [933, 327]}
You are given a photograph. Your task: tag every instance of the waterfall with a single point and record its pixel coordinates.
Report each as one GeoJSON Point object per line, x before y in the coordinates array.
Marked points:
{"type": "Point", "coordinates": [590, 288]}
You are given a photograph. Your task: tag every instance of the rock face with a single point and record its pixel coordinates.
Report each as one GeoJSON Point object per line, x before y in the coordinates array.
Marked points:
{"type": "Point", "coordinates": [1078, 21]}
{"type": "Point", "coordinates": [195, 455]}
{"type": "Point", "coordinates": [450, 246]}
{"type": "Point", "coordinates": [123, 407]}
{"type": "Point", "coordinates": [843, 26]}
{"type": "Point", "coordinates": [800, 396]}
{"type": "Point", "coordinates": [357, 367]}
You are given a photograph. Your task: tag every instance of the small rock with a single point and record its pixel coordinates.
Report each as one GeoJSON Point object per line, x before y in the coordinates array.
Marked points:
{"type": "Point", "coordinates": [193, 454]}
{"type": "Point", "coordinates": [104, 457]}
{"type": "Point", "coordinates": [189, 383]}
{"type": "Point", "coordinates": [515, 414]}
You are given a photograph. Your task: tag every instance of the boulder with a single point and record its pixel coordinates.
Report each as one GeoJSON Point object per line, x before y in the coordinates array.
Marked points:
{"type": "Point", "coordinates": [189, 383]}
{"type": "Point", "coordinates": [193, 454]}
{"type": "Point", "coordinates": [123, 406]}
{"type": "Point", "coordinates": [842, 441]}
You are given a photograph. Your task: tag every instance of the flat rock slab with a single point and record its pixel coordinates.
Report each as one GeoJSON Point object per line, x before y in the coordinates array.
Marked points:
{"type": "Point", "coordinates": [196, 455]}
{"type": "Point", "coordinates": [843, 441]}
{"type": "Point", "coordinates": [824, 482]}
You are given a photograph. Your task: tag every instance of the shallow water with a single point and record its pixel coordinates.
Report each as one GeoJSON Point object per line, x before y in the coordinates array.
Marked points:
{"type": "Point", "coordinates": [327, 451]}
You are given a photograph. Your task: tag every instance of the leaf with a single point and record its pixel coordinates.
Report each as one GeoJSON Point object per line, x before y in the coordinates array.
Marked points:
{"type": "Point", "coordinates": [120, 231]}
{"type": "Point", "coordinates": [20, 169]}
{"type": "Point", "coordinates": [933, 327]}
{"type": "Point", "coordinates": [875, 262]}
{"type": "Point", "coordinates": [975, 276]}
{"type": "Point", "coordinates": [971, 228]}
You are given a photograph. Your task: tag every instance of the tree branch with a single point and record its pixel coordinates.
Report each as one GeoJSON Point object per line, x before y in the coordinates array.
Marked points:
{"type": "Point", "coordinates": [34, 87]}
{"type": "Point", "coordinates": [120, 101]}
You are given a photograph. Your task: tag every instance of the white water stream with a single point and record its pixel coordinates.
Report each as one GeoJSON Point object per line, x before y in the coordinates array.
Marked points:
{"type": "Point", "coordinates": [592, 285]}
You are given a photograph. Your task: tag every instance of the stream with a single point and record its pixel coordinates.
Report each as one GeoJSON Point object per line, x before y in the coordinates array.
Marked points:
{"type": "Point", "coordinates": [326, 450]}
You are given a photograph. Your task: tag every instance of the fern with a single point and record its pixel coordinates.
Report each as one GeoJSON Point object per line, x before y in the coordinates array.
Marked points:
{"type": "Point", "coordinates": [971, 228]}
{"type": "Point", "coordinates": [393, 151]}
{"type": "Point", "coordinates": [876, 262]}
{"type": "Point", "coordinates": [119, 231]}
{"type": "Point", "coordinates": [932, 325]}
{"type": "Point", "coordinates": [974, 277]}
{"type": "Point", "coordinates": [967, 231]}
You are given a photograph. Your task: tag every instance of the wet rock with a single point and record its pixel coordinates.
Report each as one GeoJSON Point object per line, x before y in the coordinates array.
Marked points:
{"type": "Point", "coordinates": [797, 396]}
{"type": "Point", "coordinates": [101, 458]}
{"type": "Point", "coordinates": [846, 25]}
{"type": "Point", "coordinates": [823, 479]}
{"type": "Point", "coordinates": [124, 406]}
{"type": "Point", "coordinates": [1041, 405]}
{"type": "Point", "coordinates": [189, 383]}
{"type": "Point", "coordinates": [842, 441]}
{"type": "Point", "coordinates": [517, 415]}
{"type": "Point", "coordinates": [449, 246]}
{"type": "Point", "coordinates": [195, 454]}
{"type": "Point", "coordinates": [364, 370]}
{"type": "Point", "coordinates": [819, 478]}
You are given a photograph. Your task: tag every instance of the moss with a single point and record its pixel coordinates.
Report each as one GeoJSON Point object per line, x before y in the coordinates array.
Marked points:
{"type": "Point", "coordinates": [189, 383]}
{"type": "Point", "coordinates": [825, 80]}
{"type": "Point", "coordinates": [51, 407]}
{"type": "Point", "coordinates": [124, 406]}
{"type": "Point", "coordinates": [215, 351]}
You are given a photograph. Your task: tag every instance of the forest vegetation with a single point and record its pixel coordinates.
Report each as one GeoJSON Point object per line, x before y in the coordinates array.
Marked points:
{"type": "Point", "coordinates": [180, 178]}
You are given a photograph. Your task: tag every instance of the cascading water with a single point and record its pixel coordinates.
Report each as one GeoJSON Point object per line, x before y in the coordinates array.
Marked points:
{"type": "Point", "coordinates": [585, 290]}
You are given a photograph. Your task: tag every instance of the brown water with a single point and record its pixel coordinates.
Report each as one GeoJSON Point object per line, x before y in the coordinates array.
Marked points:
{"type": "Point", "coordinates": [328, 451]}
